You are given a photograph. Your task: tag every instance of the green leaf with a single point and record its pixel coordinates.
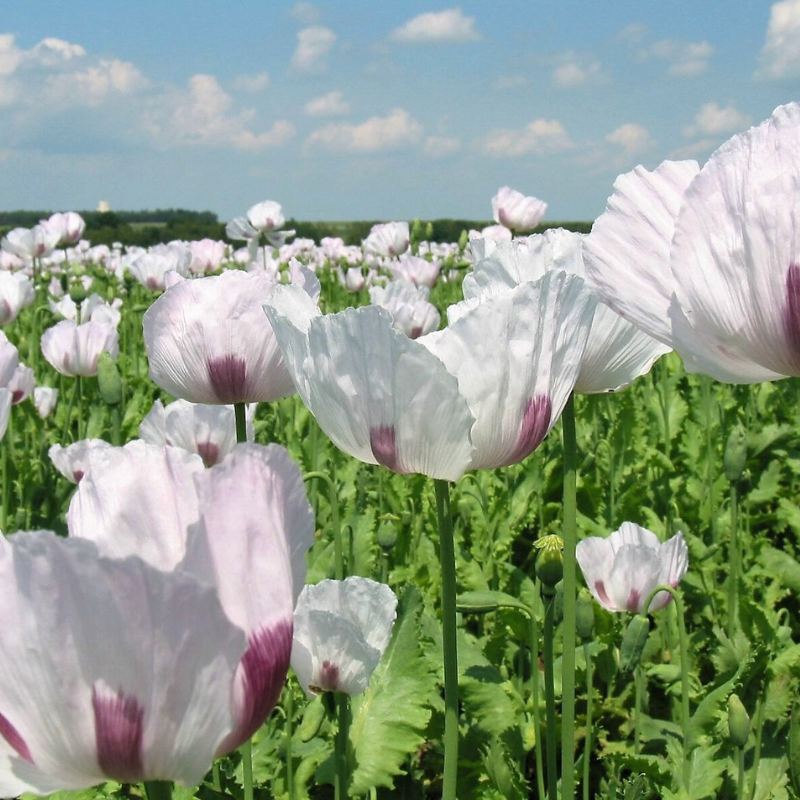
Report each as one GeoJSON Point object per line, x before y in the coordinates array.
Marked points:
{"type": "Point", "coordinates": [782, 565]}
{"type": "Point", "coordinates": [389, 719]}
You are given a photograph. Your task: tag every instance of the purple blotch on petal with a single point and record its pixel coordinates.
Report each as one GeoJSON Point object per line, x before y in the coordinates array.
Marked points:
{"type": "Point", "coordinates": [228, 376]}
{"type": "Point", "coordinates": [383, 441]}
{"type": "Point", "coordinates": [14, 739]}
{"type": "Point", "coordinates": [535, 424]}
{"type": "Point", "coordinates": [119, 725]}
{"type": "Point", "coordinates": [634, 598]}
{"type": "Point", "coordinates": [329, 677]}
{"type": "Point", "coordinates": [600, 588]}
{"type": "Point", "coordinates": [791, 311]}
{"type": "Point", "coordinates": [263, 672]}
{"type": "Point", "coordinates": [209, 452]}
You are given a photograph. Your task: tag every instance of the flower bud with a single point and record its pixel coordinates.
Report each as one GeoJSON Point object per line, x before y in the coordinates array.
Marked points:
{"type": "Point", "coordinates": [584, 615]}
{"type": "Point", "coordinates": [387, 534]}
{"type": "Point", "coordinates": [633, 642]}
{"type": "Point", "coordinates": [312, 720]}
{"type": "Point", "coordinates": [463, 240]}
{"type": "Point", "coordinates": [738, 722]}
{"type": "Point", "coordinates": [735, 454]}
{"type": "Point", "coordinates": [109, 381]}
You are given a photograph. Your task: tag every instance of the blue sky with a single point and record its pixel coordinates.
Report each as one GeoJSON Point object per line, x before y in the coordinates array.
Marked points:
{"type": "Point", "coordinates": [360, 110]}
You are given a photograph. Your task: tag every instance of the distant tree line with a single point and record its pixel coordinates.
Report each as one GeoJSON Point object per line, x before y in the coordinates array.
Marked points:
{"type": "Point", "coordinates": [146, 228]}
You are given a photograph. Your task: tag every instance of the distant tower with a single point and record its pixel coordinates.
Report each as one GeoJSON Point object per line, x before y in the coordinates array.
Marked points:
{"type": "Point", "coordinates": [103, 207]}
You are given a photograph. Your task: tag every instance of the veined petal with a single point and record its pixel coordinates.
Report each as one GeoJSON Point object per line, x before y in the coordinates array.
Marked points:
{"type": "Point", "coordinates": [627, 253]}
{"type": "Point", "coordinates": [137, 500]}
{"type": "Point", "coordinates": [378, 395]}
{"type": "Point", "coordinates": [517, 356]}
{"type": "Point", "coordinates": [112, 669]}
{"type": "Point", "coordinates": [736, 240]}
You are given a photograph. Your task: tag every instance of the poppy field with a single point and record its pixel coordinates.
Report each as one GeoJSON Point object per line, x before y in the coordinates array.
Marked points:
{"type": "Point", "coordinates": [511, 517]}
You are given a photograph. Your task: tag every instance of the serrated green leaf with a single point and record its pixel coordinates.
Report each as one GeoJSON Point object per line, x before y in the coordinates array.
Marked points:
{"type": "Point", "coordinates": [389, 719]}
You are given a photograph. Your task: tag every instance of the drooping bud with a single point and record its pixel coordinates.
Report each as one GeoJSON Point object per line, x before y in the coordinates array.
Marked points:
{"type": "Point", "coordinates": [735, 454]}
{"type": "Point", "coordinates": [584, 615]}
{"type": "Point", "coordinates": [109, 381]}
{"type": "Point", "coordinates": [738, 722]}
{"type": "Point", "coordinates": [633, 642]}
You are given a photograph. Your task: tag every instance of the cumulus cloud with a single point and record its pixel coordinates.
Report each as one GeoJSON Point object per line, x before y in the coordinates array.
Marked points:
{"type": "Point", "coordinates": [538, 138]}
{"type": "Point", "coordinates": [93, 85]}
{"type": "Point", "coordinates": [332, 104]}
{"type": "Point", "coordinates": [252, 84]}
{"type": "Point", "coordinates": [313, 45]}
{"type": "Point", "coordinates": [631, 137]}
{"type": "Point", "coordinates": [396, 131]}
{"type": "Point", "coordinates": [204, 114]}
{"type": "Point", "coordinates": [574, 70]}
{"type": "Point", "coordinates": [780, 56]}
{"type": "Point", "coordinates": [52, 51]}
{"type": "Point", "coordinates": [711, 119]}
{"type": "Point", "coordinates": [684, 59]}
{"type": "Point", "coordinates": [449, 25]}
{"type": "Point", "coordinates": [440, 146]}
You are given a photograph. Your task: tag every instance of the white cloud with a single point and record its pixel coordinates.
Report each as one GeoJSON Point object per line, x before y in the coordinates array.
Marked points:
{"type": "Point", "coordinates": [780, 56]}
{"type": "Point", "coordinates": [686, 59]}
{"type": "Point", "coordinates": [332, 104]}
{"type": "Point", "coordinates": [10, 54]}
{"type": "Point", "coordinates": [440, 146]}
{"type": "Point", "coordinates": [449, 25]}
{"type": "Point", "coordinates": [538, 137]}
{"type": "Point", "coordinates": [203, 114]}
{"type": "Point", "coordinates": [94, 84]}
{"type": "Point", "coordinates": [51, 51]}
{"type": "Point", "coordinates": [631, 137]}
{"type": "Point", "coordinates": [251, 84]}
{"type": "Point", "coordinates": [711, 119]}
{"type": "Point", "coordinates": [305, 13]}
{"type": "Point", "coordinates": [313, 44]}
{"type": "Point", "coordinates": [635, 32]}
{"type": "Point", "coordinates": [396, 131]}
{"type": "Point", "coordinates": [506, 82]}
{"type": "Point", "coordinates": [574, 70]}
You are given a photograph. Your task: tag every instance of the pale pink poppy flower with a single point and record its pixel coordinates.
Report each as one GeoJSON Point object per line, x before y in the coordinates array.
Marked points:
{"type": "Point", "coordinates": [623, 569]}
{"type": "Point", "coordinates": [22, 384]}
{"type": "Point", "coordinates": [207, 256]}
{"type": "Point", "coordinates": [418, 271]}
{"type": "Point", "coordinates": [92, 308]}
{"type": "Point", "coordinates": [341, 631]}
{"type": "Point", "coordinates": [151, 268]}
{"type": "Point", "coordinates": [74, 349]}
{"type": "Point", "coordinates": [45, 399]}
{"type": "Point", "coordinates": [266, 216]}
{"type": "Point", "coordinates": [5, 410]}
{"type": "Point", "coordinates": [9, 360]}
{"type": "Point", "coordinates": [244, 522]}
{"type": "Point", "coordinates": [72, 461]}
{"type": "Point", "coordinates": [411, 312]}
{"type": "Point", "coordinates": [354, 279]}
{"type": "Point", "coordinates": [499, 233]}
{"type": "Point", "coordinates": [390, 239]}
{"type": "Point", "coordinates": [263, 218]}
{"type": "Point", "coordinates": [69, 226]}
{"type": "Point", "coordinates": [482, 393]}
{"type": "Point", "coordinates": [208, 340]}
{"type": "Point", "coordinates": [707, 260]}
{"type": "Point", "coordinates": [29, 243]}
{"type": "Point", "coordinates": [113, 669]}
{"type": "Point", "coordinates": [515, 211]}
{"type": "Point", "coordinates": [207, 430]}
{"type": "Point", "coordinates": [16, 292]}
{"type": "Point", "coordinates": [616, 352]}
{"type": "Point", "coordinates": [333, 247]}
{"type": "Point", "coordinates": [10, 262]}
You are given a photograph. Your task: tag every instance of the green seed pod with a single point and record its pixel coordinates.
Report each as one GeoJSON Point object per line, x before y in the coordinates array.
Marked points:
{"type": "Point", "coordinates": [312, 720]}
{"type": "Point", "coordinates": [584, 615]}
{"type": "Point", "coordinates": [738, 722]}
{"type": "Point", "coordinates": [78, 293]}
{"type": "Point", "coordinates": [108, 380]}
{"type": "Point", "coordinates": [633, 642]}
{"type": "Point", "coordinates": [550, 566]}
{"type": "Point", "coordinates": [735, 454]}
{"type": "Point", "coordinates": [387, 534]}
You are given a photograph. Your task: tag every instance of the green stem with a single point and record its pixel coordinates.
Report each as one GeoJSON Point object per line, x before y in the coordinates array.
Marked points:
{"type": "Point", "coordinates": [733, 576]}
{"type": "Point", "coordinates": [684, 646]}
{"type": "Point", "coordinates": [289, 748]}
{"type": "Point", "coordinates": [240, 414]}
{"type": "Point", "coordinates": [447, 555]}
{"type": "Point", "coordinates": [216, 777]}
{"type": "Point", "coordinates": [550, 695]}
{"type": "Point", "coordinates": [708, 407]}
{"type": "Point", "coordinates": [759, 716]}
{"type": "Point", "coordinates": [638, 677]}
{"type": "Point", "coordinates": [333, 499]}
{"type": "Point", "coordinates": [537, 714]}
{"type": "Point", "coordinates": [158, 790]}
{"type": "Point", "coordinates": [342, 766]}
{"type": "Point", "coordinates": [247, 769]}
{"type": "Point", "coordinates": [570, 536]}
{"type": "Point", "coordinates": [740, 781]}
{"type": "Point", "coordinates": [587, 749]}
{"type": "Point", "coordinates": [79, 391]}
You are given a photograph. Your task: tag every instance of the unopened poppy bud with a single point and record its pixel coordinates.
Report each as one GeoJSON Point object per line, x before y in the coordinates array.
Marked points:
{"type": "Point", "coordinates": [416, 230]}
{"type": "Point", "coordinates": [735, 454]}
{"type": "Point", "coordinates": [738, 722]}
{"type": "Point", "coordinates": [633, 642]}
{"type": "Point", "coordinates": [387, 534]}
{"type": "Point", "coordinates": [312, 720]}
{"type": "Point", "coordinates": [463, 240]}
{"type": "Point", "coordinates": [550, 561]}
{"type": "Point", "coordinates": [584, 615]}
{"type": "Point", "coordinates": [109, 381]}
{"type": "Point", "coordinates": [428, 231]}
